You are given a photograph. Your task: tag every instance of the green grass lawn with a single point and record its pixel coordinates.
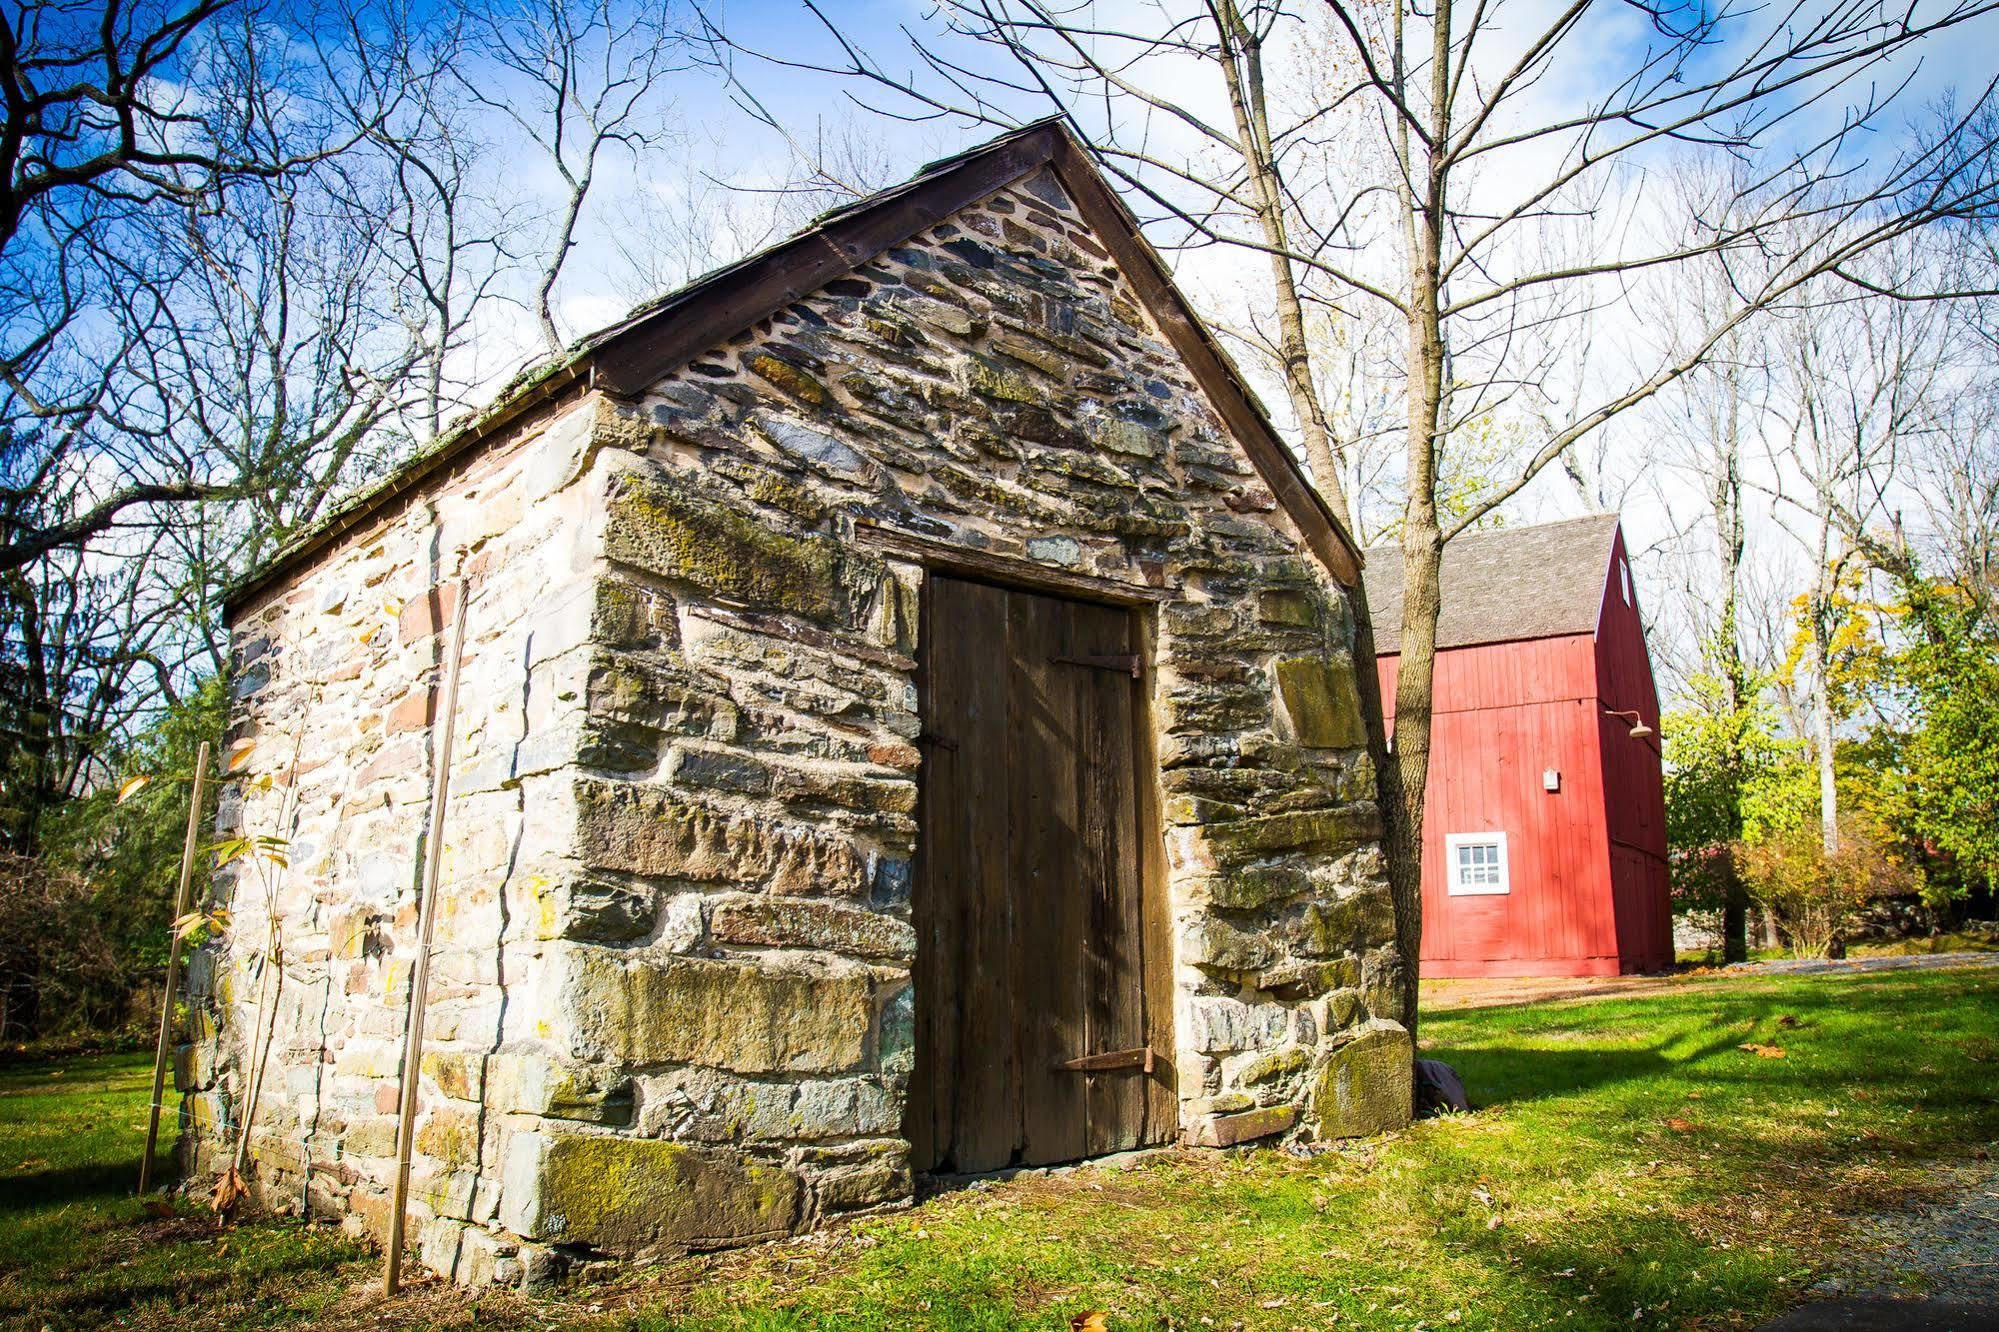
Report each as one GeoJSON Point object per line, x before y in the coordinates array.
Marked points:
{"type": "Point", "coordinates": [1628, 1165]}
{"type": "Point", "coordinates": [78, 1250]}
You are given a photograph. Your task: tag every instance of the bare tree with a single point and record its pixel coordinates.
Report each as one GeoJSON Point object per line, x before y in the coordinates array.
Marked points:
{"type": "Point", "coordinates": [113, 112]}
{"type": "Point", "coordinates": [286, 362]}
{"type": "Point", "coordinates": [579, 78]}
{"type": "Point", "coordinates": [448, 226]}
{"type": "Point", "coordinates": [85, 643]}
{"type": "Point", "coordinates": [708, 208]}
{"type": "Point", "coordinates": [1434, 173]}
{"type": "Point", "coordinates": [229, 358]}
{"type": "Point", "coordinates": [1860, 380]}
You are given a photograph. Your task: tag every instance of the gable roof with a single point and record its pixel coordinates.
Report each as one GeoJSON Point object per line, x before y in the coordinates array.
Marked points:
{"type": "Point", "coordinates": [1514, 583]}
{"type": "Point", "coordinates": [666, 333]}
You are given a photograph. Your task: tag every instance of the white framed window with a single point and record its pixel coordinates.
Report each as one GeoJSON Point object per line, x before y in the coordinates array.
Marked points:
{"type": "Point", "coordinates": [1475, 864]}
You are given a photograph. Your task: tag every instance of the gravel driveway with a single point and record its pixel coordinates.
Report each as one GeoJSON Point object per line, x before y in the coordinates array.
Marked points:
{"type": "Point", "coordinates": [1933, 1268]}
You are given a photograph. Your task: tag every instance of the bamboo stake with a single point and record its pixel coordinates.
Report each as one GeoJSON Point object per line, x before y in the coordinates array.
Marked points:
{"type": "Point", "coordinates": [181, 907]}
{"type": "Point", "coordinates": [420, 975]}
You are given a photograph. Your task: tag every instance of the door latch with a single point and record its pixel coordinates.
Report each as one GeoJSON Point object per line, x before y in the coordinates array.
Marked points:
{"type": "Point", "coordinates": [1109, 1061]}
{"type": "Point", "coordinates": [1126, 663]}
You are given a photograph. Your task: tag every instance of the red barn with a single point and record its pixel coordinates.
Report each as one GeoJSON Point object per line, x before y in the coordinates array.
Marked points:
{"type": "Point", "coordinates": [1544, 840]}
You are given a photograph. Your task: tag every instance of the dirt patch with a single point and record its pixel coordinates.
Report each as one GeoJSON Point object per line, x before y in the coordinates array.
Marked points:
{"type": "Point", "coordinates": [1502, 991]}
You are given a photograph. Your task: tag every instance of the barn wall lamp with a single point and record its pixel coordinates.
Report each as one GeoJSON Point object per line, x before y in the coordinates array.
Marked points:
{"type": "Point", "coordinates": [1639, 730]}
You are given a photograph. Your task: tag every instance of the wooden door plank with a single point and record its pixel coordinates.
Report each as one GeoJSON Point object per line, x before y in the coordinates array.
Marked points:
{"type": "Point", "coordinates": [986, 1128]}
{"type": "Point", "coordinates": [1162, 1110]}
{"type": "Point", "coordinates": [1114, 996]}
{"type": "Point", "coordinates": [1051, 916]}
{"type": "Point", "coordinates": [932, 904]}
{"type": "Point", "coordinates": [964, 1092]}
{"type": "Point", "coordinates": [937, 901]}
{"type": "Point", "coordinates": [1039, 939]}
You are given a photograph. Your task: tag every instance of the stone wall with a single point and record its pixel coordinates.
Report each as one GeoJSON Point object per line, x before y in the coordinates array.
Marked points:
{"type": "Point", "coordinates": [336, 676]}
{"type": "Point", "coordinates": [674, 1005]}
{"type": "Point", "coordinates": [993, 384]}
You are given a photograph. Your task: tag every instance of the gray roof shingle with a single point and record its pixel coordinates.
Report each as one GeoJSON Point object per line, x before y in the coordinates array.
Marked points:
{"type": "Point", "coordinates": [1514, 583]}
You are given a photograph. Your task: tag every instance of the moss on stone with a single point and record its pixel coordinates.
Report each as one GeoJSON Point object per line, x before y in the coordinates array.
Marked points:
{"type": "Point", "coordinates": [538, 1085]}
{"type": "Point", "coordinates": [782, 493]}
{"type": "Point", "coordinates": [449, 1138]}
{"type": "Point", "coordinates": [1368, 1084]}
{"type": "Point", "coordinates": [630, 1195]}
{"type": "Point", "coordinates": [1286, 605]}
{"type": "Point", "coordinates": [1349, 924]}
{"type": "Point", "coordinates": [1325, 831]}
{"type": "Point", "coordinates": [1275, 1064]}
{"type": "Point", "coordinates": [996, 381]}
{"type": "Point", "coordinates": [1320, 702]}
{"type": "Point", "coordinates": [454, 1073]}
{"type": "Point", "coordinates": [744, 1016]}
{"type": "Point", "coordinates": [1258, 886]}
{"type": "Point", "coordinates": [784, 375]}
{"type": "Point", "coordinates": [621, 615]}
{"type": "Point", "coordinates": [668, 531]}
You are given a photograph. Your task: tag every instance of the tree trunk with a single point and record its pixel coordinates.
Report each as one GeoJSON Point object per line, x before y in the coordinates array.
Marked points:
{"type": "Point", "coordinates": [1769, 934]}
{"type": "Point", "coordinates": [1422, 594]}
{"type": "Point", "coordinates": [1823, 613]}
{"type": "Point", "coordinates": [1729, 533]}
{"type": "Point", "coordinates": [1828, 789]}
{"type": "Point", "coordinates": [1244, 81]}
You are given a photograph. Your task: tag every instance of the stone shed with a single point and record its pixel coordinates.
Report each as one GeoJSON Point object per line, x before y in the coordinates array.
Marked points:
{"type": "Point", "coordinates": [907, 725]}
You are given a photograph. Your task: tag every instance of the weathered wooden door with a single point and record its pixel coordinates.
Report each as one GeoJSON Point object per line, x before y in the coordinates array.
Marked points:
{"type": "Point", "coordinates": [1031, 977]}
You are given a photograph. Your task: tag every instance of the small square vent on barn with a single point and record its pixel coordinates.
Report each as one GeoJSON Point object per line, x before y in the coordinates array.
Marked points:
{"type": "Point", "coordinates": [907, 723]}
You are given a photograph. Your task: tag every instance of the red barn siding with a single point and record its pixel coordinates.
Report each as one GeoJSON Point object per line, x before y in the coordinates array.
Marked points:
{"type": "Point", "coordinates": [1586, 863]}
{"type": "Point", "coordinates": [1634, 785]}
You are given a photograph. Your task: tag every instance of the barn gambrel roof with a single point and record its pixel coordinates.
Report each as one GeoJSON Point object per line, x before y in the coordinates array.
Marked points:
{"type": "Point", "coordinates": [662, 335]}
{"type": "Point", "coordinates": [1505, 585]}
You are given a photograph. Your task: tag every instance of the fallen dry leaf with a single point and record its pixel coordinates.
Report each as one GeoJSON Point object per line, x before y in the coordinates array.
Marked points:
{"type": "Point", "coordinates": [1762, 1051]}
{"type": "Point", "coordinates": [229, 1190]}
{"type": "Point", "coordinates": [1678, 1125]}
{"type": "Point", "coordinates": [1096, 1320]}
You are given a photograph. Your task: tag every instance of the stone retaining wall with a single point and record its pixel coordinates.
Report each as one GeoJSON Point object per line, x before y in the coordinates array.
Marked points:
{"type": "Point", "coordinates": [672, 1003]}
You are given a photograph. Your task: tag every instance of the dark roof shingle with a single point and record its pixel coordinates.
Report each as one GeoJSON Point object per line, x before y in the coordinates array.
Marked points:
{"type": "Point", "coordinates": [1514, 583]}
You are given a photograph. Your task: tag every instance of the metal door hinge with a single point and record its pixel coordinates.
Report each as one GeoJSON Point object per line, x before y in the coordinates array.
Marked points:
{"type": "Point", "coordinates": [1125, 662]}
{"type": "Point", "coordinates": [928, 739]}
{"type": "Point", "coordinates": [1109, 1061]}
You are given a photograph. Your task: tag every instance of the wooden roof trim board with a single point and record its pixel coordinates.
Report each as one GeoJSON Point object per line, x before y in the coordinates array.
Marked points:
{"type": "Point", "coordinates": [627, 357]}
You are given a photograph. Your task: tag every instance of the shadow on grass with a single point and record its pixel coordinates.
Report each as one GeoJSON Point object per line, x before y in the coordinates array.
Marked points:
{"type": "Point", "coordinates": [180, 1275]}
{"type": "Point", "coordinates": [1509, 1076]}
{"type": "Point", "coordinates": [81, 1183]}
